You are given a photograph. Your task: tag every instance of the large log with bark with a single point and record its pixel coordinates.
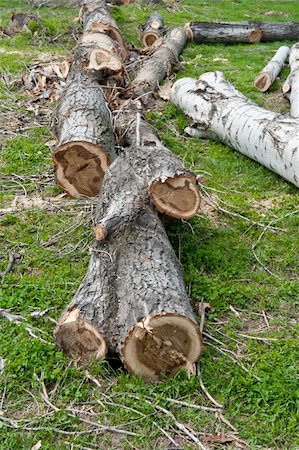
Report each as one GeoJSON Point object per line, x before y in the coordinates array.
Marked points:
{"type": "Point", "coordinates": [218, 111]}
{"type": "Point", "coordinates": [158, 65]}
{"type": "Point", "coordinates": [237, 32]}
{"type": "Point", "coordinates": [133, 298]}
{"type": "Point", "coordinates": [269, 73]}
{"type": "Point", "coordinates": [291, 86]}
{"type": "Point", "coordinates": [172, 188]}
{"type": "Point", "coordinates": [85, 139]}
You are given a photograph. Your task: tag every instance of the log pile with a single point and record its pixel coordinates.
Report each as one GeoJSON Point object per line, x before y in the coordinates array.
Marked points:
{"type": "Point", "coordinates": [132, 301]}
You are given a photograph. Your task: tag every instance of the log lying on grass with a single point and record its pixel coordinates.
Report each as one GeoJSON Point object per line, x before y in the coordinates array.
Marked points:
{"type": "Point", "coordinates": [152, 30]}
{"type": "Point", "coordinates": [157, 66]}
{"type": "Point", "coordinates": [85, 137]}
{"type": "Point", "coordinates": [291, 85]}
{"type": "Point", "coordinates": [218, 111]}
{"type": "Point", "coordinates": [237, 32]}
{"type": "Point", "coordinates": [133, 296]}
{"type": "Point", "coordinates": [172, 188]}
{"type": "Point", "coordinates": [269, 73]}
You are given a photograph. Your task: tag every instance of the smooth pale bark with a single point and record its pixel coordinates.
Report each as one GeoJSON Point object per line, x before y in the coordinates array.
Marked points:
{"type": "Point", "coordinates": [133, 298]}
{"type": "Point", "coordinates": [157, 66]}
{"type": "Point", "coordinates": [291, 86]}
{"type": "Point", "coordinates": [152, 30]}
{"type": "Point", "coordinates": [235, 32]}
{"type": "Point", "coordinates": [172, 188]}
{"type": "Point", "coordinates": [269, 73]}
{"type": "Point", "coordinates": [218, 111]}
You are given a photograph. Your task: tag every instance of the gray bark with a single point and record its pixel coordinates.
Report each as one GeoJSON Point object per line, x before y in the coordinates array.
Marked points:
{"type": "Point", "coordinates": [157, 66]}
{"type": "Point", "coordinates": [172, 188]}
{"type": "Point", "coordinates": [247, 32]}
{"type": "Point", "coordinates": [133, 278]}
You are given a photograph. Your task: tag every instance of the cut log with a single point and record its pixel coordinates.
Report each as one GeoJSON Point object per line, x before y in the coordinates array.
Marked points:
{"type": "Point", "coordinates": [133, 297]}
{"type": "Point", "coordinates": [291, 85]}
{"type": "Point", "coordinates": [235, 32]}
{"type": "Point", "coordinates": [269, 73]}
{"type": "Point", "coordinates": [152, 30]}
{"type": "Point", "coordinates": [95, 18]}
{"type": "Point", "coordinates": [157, 66]}
{"type": "Point", "coordinates": [172, 188]}
{"type": "Point", "coordinates": [218, 111]}
{"type": "Point", "coordinates": [85, 137]}
{"type": "Point", "coordinates": [83, 128]}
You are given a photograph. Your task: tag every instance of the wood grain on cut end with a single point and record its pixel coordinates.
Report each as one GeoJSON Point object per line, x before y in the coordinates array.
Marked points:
{"type": "Point", "coordinates": [79, 338]}
{"type": "Point", "coordinates": [80, 167]}
{"type": "Point", "coordinates": [161, 345]}
{"type": "Point", "coordinates": [149, 38]}
{"type": "Point", "coordinates": [262, 81]}
{"type": "Point", "coordinates": [177, 197]}
{"type": "Point", "coordinates": [114, 34]}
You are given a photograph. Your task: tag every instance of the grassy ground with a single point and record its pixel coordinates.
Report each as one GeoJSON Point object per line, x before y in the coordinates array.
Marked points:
{"type": "Point", "coordinates": [248, 298]}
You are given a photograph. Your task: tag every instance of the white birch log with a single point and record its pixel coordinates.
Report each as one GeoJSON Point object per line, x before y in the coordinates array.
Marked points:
{"type": "Point", "coordinates": [219, 111]}
{"type": "Point", "coordinates": [291, 86]}
{"type": "Point", "coordinates": [269, 73]}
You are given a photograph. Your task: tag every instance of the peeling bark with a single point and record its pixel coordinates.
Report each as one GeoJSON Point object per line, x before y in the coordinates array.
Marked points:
{"type": "Point", "coordinates": [247, 32]}
{"type": "Point", "coordinates": [218, 111]}
{"type": "Point", "coordinates": [152, 30]}
{"type": "Point", "coordinates": [269, 73]}
{"type": "Point", "coordinates": [291, 86]}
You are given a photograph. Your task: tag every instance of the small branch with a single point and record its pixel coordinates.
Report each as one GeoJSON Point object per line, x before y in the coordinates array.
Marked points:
{"type": "Point", "coordinates": [192, 405]}
{"type": "Point", "coordinates": [206, 392]}
{"type": "Point", "coordinates": [11, 261]}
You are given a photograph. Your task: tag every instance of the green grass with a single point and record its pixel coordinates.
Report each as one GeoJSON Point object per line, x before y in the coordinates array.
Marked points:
{"type": "Point", "coordinates": [215, 250]}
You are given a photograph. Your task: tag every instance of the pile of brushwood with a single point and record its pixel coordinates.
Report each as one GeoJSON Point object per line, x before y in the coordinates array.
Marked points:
{"type": "Point", "coordinates": [132, 300]}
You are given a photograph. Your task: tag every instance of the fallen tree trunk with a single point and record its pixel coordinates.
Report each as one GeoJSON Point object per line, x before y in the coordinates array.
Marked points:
{"type": "Point", "coordinates": [269, 73]}
{"type": "Point", "coordinates": [152, 30]}
{"type": "Point", "coordinates": [85, 139]}
{"type": "Point", "coordinates": [157, 66]}
{"type": "Point", "coordinates": [172, 188]}
{"type": "Point", "coordinates": [133, 295]}
{"type": "Point", "coordinates": [247, 32]}
{"type": "Point", "coordinates": [291, 85]}
{"type": "Point", "coordinates": [218, 111]}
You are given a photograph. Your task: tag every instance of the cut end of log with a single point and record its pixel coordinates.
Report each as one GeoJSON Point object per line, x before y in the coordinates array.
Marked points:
{"type": "Point", "coordinates": [114, 34]}
{"type": "Point", "coordinates": [255, 36]}
{"type": "Point", "coordinates": [262, 81]}
{"type": "Point", "coordinates": [188, 31]}
{"type": "Point", "coordinates": [103, 60]}
{"type": "Point", "coordinates": [149, 38]}
{"type": "Point", "coordinates": [177, 197]}
{"type": "Point", "coordinates": [161, 345]}
{"type": "Point", "coordinates": [80, 167]}
{"type": "Point", "coordinates": [79, 338]}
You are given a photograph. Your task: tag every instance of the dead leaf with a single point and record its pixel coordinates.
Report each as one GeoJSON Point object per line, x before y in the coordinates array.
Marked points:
{"type": "Point", "coordinates": [165, 90]}
{"type": "Point", "coordinates": [225, 438]}
{"type": "Point", "coordinates": [201, 307]}
{"type": "Point", "coordinates": [51, 143]}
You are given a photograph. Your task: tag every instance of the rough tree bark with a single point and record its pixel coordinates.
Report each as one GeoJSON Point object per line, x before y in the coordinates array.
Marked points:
{"type": "Point", "coordinates": [172, 188]}
{"type": "Point", "coordinates": [152, 30]}
{"type": "Point", "coordinates": [247, 32]}
{"type": "Point", "coordinates": [133, 297]}
{"type": "Point", "coordinates": [85, 140]}
{"type": "Point", "coordinates": [218, 111]}
{"type": "Point", "coordinates": [291, 86]}
{"type": "Point", "coordinates": [157, 66]}
{"type": "Point", "coordinates": [269, 73]}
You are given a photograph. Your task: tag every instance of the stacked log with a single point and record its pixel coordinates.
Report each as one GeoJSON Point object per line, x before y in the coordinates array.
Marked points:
{"type": "Point", "coordinates": [132, 300]}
